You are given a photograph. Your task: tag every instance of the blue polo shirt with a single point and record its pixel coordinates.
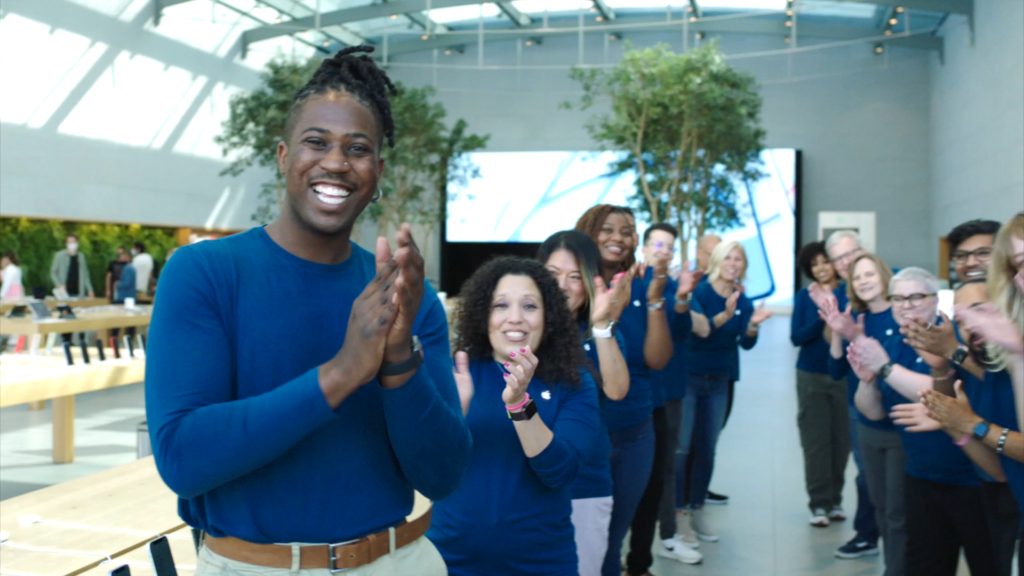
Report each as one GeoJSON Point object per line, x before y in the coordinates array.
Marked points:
{"type": "Point", "coordinates": [718, 353]}
{"type": "Point", "coordinates": [993, 400]}
{"type": "Point", "coordinates": [931, 456]}
{"type": "Point", "coordinates": [881, 327]}
{"type": "Point", "coordinates": [512, 514]}
{"type": "Point", "coordinates": [637, 405]}
{"type": "Point", "coordinates": [806, 330]}
{"type": "Point", "coordinates": [674, 376]}
{"type": "Point", "coordinates": [594, 479]}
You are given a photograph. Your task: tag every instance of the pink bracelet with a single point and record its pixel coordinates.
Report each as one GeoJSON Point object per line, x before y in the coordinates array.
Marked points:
{"type": "Point", "coordinates": [963, 441]}
{"type": "Point", "coordinates": [520, 405]}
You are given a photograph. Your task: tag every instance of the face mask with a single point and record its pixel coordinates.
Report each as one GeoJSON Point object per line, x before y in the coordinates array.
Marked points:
{"type": "Point", "coordinates": [73, 247]}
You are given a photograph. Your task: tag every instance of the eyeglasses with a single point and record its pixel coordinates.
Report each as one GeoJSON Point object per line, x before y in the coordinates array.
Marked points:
{"type": "Point", "coordinates": [846, 257]}
{"type": "Point", "coordinates": [981, 255]}
{"type": "Point", "coordinates": [914, 299]}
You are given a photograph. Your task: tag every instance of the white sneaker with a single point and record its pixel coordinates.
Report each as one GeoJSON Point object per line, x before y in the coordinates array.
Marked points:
{"type": "Point", "coordinates": [837, 514]}
{"type": "Point", "coordinates": [684, 527]}
{"type": "Point", "coordinates": [702, 528]}
{"type": "Point", "coordinates": [819, 518]}
{"type": "Point", "coordinates": [676, 550]}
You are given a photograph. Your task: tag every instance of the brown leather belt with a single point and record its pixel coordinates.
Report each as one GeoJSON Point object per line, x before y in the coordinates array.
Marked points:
{"type": "Point", "coordinates": [335, 557]}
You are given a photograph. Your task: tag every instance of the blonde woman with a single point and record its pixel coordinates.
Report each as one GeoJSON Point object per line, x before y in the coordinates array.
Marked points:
{"type": "Point", "coordinates": [1006, 289]}
{"type": "Point", "coordinates": [735, 323]}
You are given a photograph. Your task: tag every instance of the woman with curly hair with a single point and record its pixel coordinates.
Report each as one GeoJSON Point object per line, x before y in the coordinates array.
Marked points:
{"type": "Point", "coordinates": [629, 421]}
{"type": "Point", "coordinates": [534, 418]}
{"type": "Point", "coordinates": [573, 259]}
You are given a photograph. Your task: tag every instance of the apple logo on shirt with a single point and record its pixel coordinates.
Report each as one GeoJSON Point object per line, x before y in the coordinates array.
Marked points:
{"type": "Point", "coordinates": [636, 303]}
{"type": "Point", "coordinates": [586, 347]}
{"type": "Point", "coordinates": [546, 394]}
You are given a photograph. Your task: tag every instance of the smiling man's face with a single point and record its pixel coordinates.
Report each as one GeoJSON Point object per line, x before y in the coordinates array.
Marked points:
{"type": "Point", "coordinates": [331, 162]}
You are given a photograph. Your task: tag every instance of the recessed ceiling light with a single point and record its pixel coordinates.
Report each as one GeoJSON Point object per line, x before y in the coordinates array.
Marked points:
{"type": "Point", "coordinates": [893, 21]}
{"type": "Point", "coordinates": [789, 12]}
{"type": "Point", "coordinates": [394, 16]}
{"type": "Point", "coordinates": [888, 32]}
{"type": "Point", "coordinates": [899, 8]}
{"type": "Point", "coordinates": [424, 37]}
{"type": "Point", "coordinates": [789, 23]}
{"type": "Point", "coordinates": [600, 18]}
{"type": "Point", "coordinates": [529, 42]}
{"type": "Point", "coordinates": [326, 43]}
{"type": "Point", "coordinates": [878, 49]}
{"type": "Point", "coordinates": [693, 18]}
{"type": "Point", "coordinates": [447, 52]}
{"type": "Point", "coordinates": [786, 40]}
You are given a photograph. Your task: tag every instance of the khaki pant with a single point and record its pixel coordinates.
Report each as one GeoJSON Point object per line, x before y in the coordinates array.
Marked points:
{"type": "Point", "coordinates": [823, 417]}
{"type": "Point", "coordinates": [420, 558]}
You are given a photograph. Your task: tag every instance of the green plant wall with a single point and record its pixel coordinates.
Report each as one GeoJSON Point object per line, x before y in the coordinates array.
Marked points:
{"type": "Point", "coordinates": [36, 241]}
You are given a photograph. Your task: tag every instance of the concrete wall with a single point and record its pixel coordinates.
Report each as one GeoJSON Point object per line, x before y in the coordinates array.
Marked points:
{"type": "Point", "coordinates": [977, 116]}
{"type": "Point", "coordinates": [861, 119]}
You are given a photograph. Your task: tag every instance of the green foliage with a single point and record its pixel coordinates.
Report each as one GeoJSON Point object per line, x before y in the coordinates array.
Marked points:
{"type": "Point", "coordinates": [689, 127]}
{"type": "Point", "coordinates": [36, 241]}
{"type": "Point", "coordinates": [426, 157]}
{"type": "Point", "coordinates": [256, 124]}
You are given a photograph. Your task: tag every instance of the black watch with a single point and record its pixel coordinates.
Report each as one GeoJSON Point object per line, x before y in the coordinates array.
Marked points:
{"type": "Point", "coordinates": [884, 372]}
{"type": "Point", "coordinates": [526, 413]}
{"type": "Point", "coordinates": [409, 364]}
{"type": "Point", "coordinates": [959, 355]}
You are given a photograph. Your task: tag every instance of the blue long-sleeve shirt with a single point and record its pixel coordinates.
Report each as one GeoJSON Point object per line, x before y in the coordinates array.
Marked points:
{"type": "Point", "coordinates": [718, 353]}
{"type": "Point", "coordinates": [241, 430]}
{"type": "Point", "coordinates": [993, 400]}
{"type": "Point", "coordinates": [931, 456]}
{"type": "Point", "coordinates": [511, 515]}
{"type": "Point", "coordinates": [881, 327]}
{"type": "Point", "coordinates": [806, 329]}
{"type": "Point", "coordinates": [125, 287]}
{"type": "Point", "coordinates": [594, 479]}
{"type": "Point", "coordinates": [673, 377]}
{"type": "Point", "coordinates": [637, 405]}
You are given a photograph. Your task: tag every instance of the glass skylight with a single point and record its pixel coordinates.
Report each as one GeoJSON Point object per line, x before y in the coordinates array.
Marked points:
{"type": "Point", "coordinates": [537, 6]}
{"type": "Point", "coordinates": [627, 4]}
{"type": "Point", "coordinates": [840, 9]}
{"type": "Point", "coordinates": [460, 13]}
{"type": "Point", "coordinates": [743, 4]}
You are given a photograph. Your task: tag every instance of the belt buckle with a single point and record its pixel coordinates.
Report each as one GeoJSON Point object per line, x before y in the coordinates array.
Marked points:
{"type": "Point", "coordinates": [334, 558]}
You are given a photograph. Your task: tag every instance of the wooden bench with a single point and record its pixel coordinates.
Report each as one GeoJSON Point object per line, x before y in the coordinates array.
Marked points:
{"type": "Point", "coordinates": [26, 379]}
{"type": "Point", "coordinates": [128, 497]}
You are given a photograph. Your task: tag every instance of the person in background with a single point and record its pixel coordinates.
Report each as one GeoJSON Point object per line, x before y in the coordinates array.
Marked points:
{"type": "Point", "coordinates": [734, 323]}
{"type": "Point", "coordinates": [942, 497]}
{"type": "Point", "coordinates": [70, 271]}
{"type": "Point", "coordinates": [531, 407]}
{"type": "Point", "coordinates": [126, 284]}
{"type": "Point", "coordinates": [985, 396]}
{"type": "Point", "coordinates": [114, 272]}
{"type": "Point", "coordinates": [1006, 288]}
{"type": "Point", "coordinates": [659, 248]}
{"type": "Point", "coordinates": [574, 261]}
{"type": "Point", "coordinates": [970, 249]}
{"type": "Point", "coordinates": [706, 244]}
{"type": "Point", "coordinates": [823, 414]}
{"type": "Point", "coordinates": [649, 347]}
{"type": "Point", "coordinates": [143, 263]}
{"type": "Point", "coordinates": [10, 271]}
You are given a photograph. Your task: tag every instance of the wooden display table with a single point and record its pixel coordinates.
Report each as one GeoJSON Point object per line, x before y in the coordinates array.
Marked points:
{"type": "Point", "coordinates": [128, 497]}
{"type": "Point", "coordinates": [85, 322]}
{"type": "Point", "coordinates": [25, 379]}
{"type": "Point", "coordinates": [52, 303]}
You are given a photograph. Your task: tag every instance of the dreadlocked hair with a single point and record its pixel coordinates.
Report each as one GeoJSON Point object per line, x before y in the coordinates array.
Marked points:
{"type": "Point", "coordinates": [593, 219]}
{"type": "Point", "coordinates": [355, 75]}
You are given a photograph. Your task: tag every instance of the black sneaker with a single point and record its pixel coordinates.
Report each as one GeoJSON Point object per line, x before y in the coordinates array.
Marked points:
{"type": "Point", "coordinates": [716, 498]}
{"type": "Point", "coordinates": [856, 548]}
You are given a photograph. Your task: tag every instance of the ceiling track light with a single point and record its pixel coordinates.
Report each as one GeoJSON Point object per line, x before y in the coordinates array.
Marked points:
{"type": "Point", "coordinates": [893, 21]}
{"type": "Point", "coordinates": [425, 37]}
{"type": "Point", "coordinates": [614, 37]}
{"type": "Point", "coordinates": [879, 49]}
{"type": "Point", "coordinates": [786, 39]}
{"type": "Point", "coordinates": [789, 23]}
{"type": "Point", "coordinates": [600, 18]}
{"type": "Point", "coordinates": [899, 9]}
{"type": "Point", "coordinates": [693, 18]}
{"type": "Point", "coordinates": [700, 35]}
{"type": "Point", "coordinates": [888, 32]}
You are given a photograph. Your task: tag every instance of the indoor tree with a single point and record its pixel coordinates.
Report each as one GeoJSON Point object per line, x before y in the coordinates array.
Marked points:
{"type": "Point", "coordinates": [426, 157]}
{"type": "Point", "coordinates": [688, 126]}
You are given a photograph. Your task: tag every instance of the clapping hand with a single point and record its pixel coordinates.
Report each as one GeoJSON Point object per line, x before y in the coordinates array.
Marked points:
{"type": "Point", "coordinates": [520, 369]}
{"type": "Point", "coordinates": [914, 417]}
{"type": "Point", "coordinates": [609, 302]}
{"type": "Point", "coordinates": [656, 289]}
{"type": "Point", "coordinates": [857, 364]}
{"type": "Point", "coordinates": [842, 323]}
{"type": "Point", "coordinates": [730, 303]}
{"type": "Point", "coordinates": [954, 414]}
{"type": "Point", "coordinates": [759, 316]}
{"type": "Point", "coordinates": [933, 342]}
{"type": "Point", "coordinates": [821, 296]}
{"type": "Point", "coordinates": [869, 353]}
{"type": "Point", "coordinates": [986, 322]}
{"type": "Point", "coordinates": [688, 280]}
{"type": "Point", "coordinates": [463, 380]}
{"type": "Point", "coordinates": [409, 286]}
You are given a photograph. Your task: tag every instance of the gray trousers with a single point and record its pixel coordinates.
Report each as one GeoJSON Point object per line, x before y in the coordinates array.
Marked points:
{"type": "Point", "coordinates": [667, 507]}
{"type": "Point", "coordinates": [885, 464]}
{"type": "Point", "coordinates": [823, 416]}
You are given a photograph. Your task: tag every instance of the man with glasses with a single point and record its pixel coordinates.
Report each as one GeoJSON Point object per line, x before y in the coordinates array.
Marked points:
{"type": "Point", "coordinates": [970, 248]}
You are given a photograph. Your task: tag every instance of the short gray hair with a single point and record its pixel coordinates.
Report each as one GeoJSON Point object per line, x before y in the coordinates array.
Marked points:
{"type": "Point", "coordinates": [914, 273]}
{"type": "Point", "coordinates": [838, 235]}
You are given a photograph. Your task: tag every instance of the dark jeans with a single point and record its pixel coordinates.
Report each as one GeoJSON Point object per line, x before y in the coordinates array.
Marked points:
{"type": "Point", "coordinates": [865, 521]}
{"type": "Point", "coordinates": [703, 413]}
{"type": "Point", "coordinates": [942, 518]}
{"type": "Point", "coordinates": [885, 466]}
{"type": "Point", "coordinates": [728, 403]}
{"type": "Point", "coordinates": [646, 516]}
{"type": "Point", "coordinates": [632, 458]}
{"type": "Point", "coordinates": [823, 417]}
{"type": "Point", "coordinates": [1003, 519]}
{"type": "Point", "coordinates": [667, 508]}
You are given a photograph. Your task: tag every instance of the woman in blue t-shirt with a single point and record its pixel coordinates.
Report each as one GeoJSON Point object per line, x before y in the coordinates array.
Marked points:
{"type": "Point", "coordinates": [734, 323]}
{"type": "Point", "coordinates": [534, 418]}
{"type": "Point", "coordinates": [573, 259]}
{"type": "Point", "coordinates": [644, 325]}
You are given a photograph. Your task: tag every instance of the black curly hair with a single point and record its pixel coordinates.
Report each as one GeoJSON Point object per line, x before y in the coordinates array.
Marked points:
{"type": "Point", "coordinates": [961, 233]}
{"type": "Point", "coordinates": [560, 354]}
{"type": "Point", "coordinates": [805, 260]}
{"type": "Point", "coordinates": [355, 75]}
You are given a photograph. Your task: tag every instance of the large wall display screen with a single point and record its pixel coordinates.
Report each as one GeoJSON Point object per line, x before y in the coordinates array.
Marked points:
{"type": "Point", "coordinates": [523, 197]}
